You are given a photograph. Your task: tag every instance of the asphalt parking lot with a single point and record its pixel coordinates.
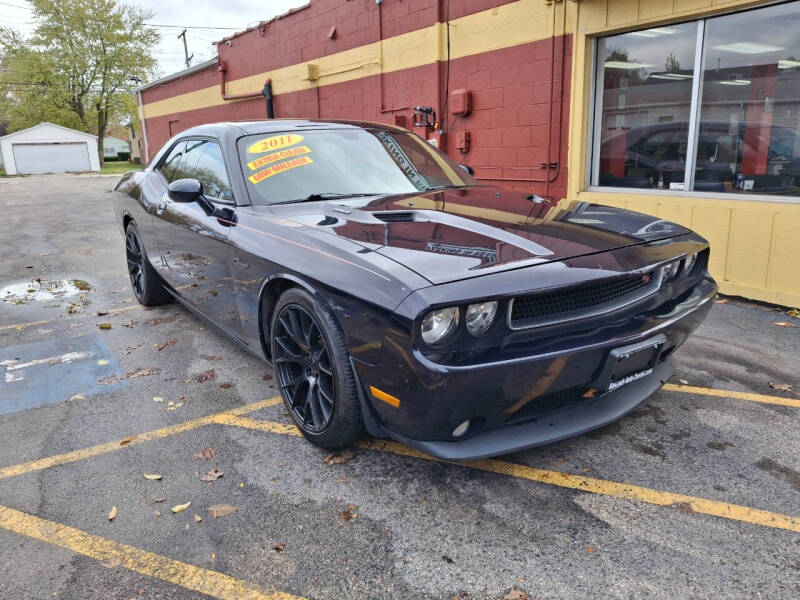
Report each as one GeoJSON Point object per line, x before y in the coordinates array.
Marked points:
{"type": "Point", "coordinates": [694, 494]}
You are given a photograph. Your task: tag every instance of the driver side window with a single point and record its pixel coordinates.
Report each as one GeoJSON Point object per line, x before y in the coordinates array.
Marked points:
{"type": "Point", "coordinates": [170, 164]}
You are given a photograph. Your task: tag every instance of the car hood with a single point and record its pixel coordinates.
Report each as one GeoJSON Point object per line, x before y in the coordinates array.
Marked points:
{"type": "Point", "coordinates": [457, 234]}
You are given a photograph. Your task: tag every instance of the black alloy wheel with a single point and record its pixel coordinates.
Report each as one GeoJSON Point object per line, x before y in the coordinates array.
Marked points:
{"type": "Point", "coordinates": [148, 287]}
{"type": "Point", "coordinates": [133, 252]}
{"type": "Point", "coordinates": [303, 364]}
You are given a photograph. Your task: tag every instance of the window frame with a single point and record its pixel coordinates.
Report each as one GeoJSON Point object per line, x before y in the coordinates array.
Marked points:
{"type": "Point", "coordinates": [203, 138]}
{"type": "Point", "coordinates": [595, 121]}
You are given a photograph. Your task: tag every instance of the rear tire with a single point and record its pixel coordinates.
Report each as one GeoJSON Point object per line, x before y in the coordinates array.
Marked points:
{"type": "Point", "coordinates": [313, 370]}
{"type": "Point", "coordinates": [148, 287]}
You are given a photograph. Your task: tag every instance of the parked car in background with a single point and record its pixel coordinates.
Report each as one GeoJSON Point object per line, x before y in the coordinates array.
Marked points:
{"type": "Point", "coordinates": [393, 292]}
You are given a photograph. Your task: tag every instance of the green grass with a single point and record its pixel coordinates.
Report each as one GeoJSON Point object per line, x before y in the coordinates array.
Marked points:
{"type": "Point", "coordinates": [118, 167]}
{"type": "Point", "coordinates": [3, 173]}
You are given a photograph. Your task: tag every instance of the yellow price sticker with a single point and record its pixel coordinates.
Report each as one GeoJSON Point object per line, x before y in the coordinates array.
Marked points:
{"type": "Point", "coordinates": [275, 142]}
{"type": "Point", "coordinates": [280, 168]}
{"type": "Point", "coordinates": [276, 156]}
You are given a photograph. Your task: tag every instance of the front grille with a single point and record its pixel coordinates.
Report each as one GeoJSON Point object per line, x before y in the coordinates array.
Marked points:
{"type": "Point", "coordinates": [550, 403]}
{"type": "Point", "coordinates": [579, 301]}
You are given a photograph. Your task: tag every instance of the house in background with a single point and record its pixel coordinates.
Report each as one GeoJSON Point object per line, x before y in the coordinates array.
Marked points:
{"type": "Point", "coordinates": [113, 146]}
{"type": "Point", "coordinates": [49, 148]}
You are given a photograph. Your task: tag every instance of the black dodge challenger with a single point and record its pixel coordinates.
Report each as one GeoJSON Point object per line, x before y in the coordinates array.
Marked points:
{"type": "Point", "coordinates": [393, 292]}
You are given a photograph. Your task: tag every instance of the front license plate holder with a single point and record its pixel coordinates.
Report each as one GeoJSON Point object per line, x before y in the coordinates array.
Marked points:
{"type": "Point", "coordinates": [630, 363]}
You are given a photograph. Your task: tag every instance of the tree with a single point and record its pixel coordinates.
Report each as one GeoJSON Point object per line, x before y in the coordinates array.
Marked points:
{"type": "Point", "coordinates": [75, 69]}
{"type": "Point", "coordinates": [672, 64]}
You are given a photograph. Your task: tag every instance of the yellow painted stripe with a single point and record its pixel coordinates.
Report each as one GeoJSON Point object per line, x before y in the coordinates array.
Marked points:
{"type": "Point", "coordinates": [197, 579]}
{"type": "Point", "coordinates": [688, 389]}
{"type": "Point", "coordinates": [258, 424]}
{"type": "Point", "coordinates": [593, 485]}
{"type": "Point", "coordinates": [384, 397]}
{"type": "Point", "coordinates": [76, 455]}
{"type": "Point", "coordinates": [504, 26]}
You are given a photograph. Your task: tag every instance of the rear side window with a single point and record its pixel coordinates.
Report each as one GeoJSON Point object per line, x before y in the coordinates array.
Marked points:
{"type": "Point", "coordinates": [170, 163]}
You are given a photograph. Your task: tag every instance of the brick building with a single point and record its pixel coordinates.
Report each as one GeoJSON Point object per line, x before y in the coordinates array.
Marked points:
{"type": "Point", "coordinates": [672, 107]}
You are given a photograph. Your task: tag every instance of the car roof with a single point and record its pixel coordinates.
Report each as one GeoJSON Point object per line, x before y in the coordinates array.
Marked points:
{"type": "Point", "coordinates": [281, 125]}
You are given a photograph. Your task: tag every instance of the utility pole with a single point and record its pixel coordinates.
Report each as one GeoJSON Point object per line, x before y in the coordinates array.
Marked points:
{"type": "Point", "coordinates": [185, 49]}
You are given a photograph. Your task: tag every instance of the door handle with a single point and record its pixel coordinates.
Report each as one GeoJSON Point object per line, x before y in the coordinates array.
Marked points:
{"type": "Point", "coordinates": [162, 204]}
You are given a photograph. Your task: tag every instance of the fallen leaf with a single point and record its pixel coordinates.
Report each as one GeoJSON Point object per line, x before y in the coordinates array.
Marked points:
{"type": "Point", "coordinates": [212, 475]}
{"type": "Point", "coordinates": [78, 397]}
{"type": "Point", "coordinates": [683, 382]}
{"type": "Point", "coordinates": [338, 459]}
{"type": "Point", "coordinates": [389, 533]}
{"type": "Point", "coordinates": [346, 515]}
{"type": "Point", "coordinates": [589, 549]}
{"type": "Point", "coordinates": [112, 513]}
{"type": "Point", "coordinates": [207, 453]}
{"type": "Point", "coordinates": [180, 507]}
{"type": "Point", "coordinates": [590, 393]}
{"type": "Point", "coordinates": [683, 506]}
{"type": "Point", "coordinates": [210, 357]}
{"type": "Point", "coordinates": [104, 325]}
{"type": "Point", "coordinates": [278, 546]}
{"type": "Point", "coordinates": [157, 500]}
{"type": "Point", "coordinates": [221, 510]}
{"type": "Point", "coordinates": [130, 323]}
{"type": "Point", "coordinates": [101, 313]}
{"type": "Point", "coordinates": [516, 595]}
{"type": "Point", "coordinates": [781, 387]}
{"type": "Point", "coordinates": [267, 377]}
{"type": "Point", "coordinates": [102, 362]}
{"type": "Point", "coordinates": [112, 379]}
{"type": "Point", "coordinates": [721, 301]}
{"type": "Point", "coordinates": [157, 399]}
{"type": "Point", "coordinates": [447, 559]}
{"type": "Point", "coordinates": [159, 320]}
{"type": "Point", "coordinates": [784, 324]}
{"type": "Point", "coordinates": [225, 386]}
{"type": "Point", "coordinates": [127, 440]}
{"type": "Point", "coordinates": [157, 513]}
{"type": "Point", "coordinates": [205, 376]}
{"type": "Point", "coordinates": [198, 518]}
{"type": "Point", "coordinates": [152, 476]}
{"type": "Point", "coordinates": [166, 344]}
{"type": "Point", "coordinates": [794, 313]}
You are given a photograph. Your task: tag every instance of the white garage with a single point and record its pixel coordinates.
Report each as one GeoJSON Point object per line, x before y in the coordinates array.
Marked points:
{"type": "Point", "coordinates": [49, 148]}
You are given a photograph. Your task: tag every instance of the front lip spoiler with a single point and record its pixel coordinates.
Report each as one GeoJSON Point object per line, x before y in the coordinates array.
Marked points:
{"type": "Point", "coordinates": [586, 416]}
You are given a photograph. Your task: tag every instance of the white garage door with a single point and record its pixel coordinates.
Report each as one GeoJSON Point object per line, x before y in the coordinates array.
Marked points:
{"type": "Point", "coordinates": [51, 158]}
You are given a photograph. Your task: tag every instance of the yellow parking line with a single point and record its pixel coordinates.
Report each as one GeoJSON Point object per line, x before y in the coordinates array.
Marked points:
{"type": "Point", "coordinates": [627, 491]}
{"type": "Point", "coordinates": [21, 326]}
{"type": "Point", "coordinates": [76, 455]}
{"type": "Point", "coordinates": [688, 389]}
{"type": "Point", "coordinates": [197, 579]}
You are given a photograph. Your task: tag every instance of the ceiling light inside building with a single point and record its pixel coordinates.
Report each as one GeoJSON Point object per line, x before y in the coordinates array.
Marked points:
{"type": "Point", "coordinates": [735, 82]}
{"type": "Point", "coordinates": [655, 32]}
{"type": "Point", "coordinates": [748, 48]}
{"type": "Point", "coordinates": [619, 64]}
{"type": "Point", "coordinates": [788, 63]}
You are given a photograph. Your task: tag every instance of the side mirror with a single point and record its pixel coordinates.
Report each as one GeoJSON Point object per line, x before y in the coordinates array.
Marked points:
{"type": "Point", "coordinates": [468, 169]}
{"type": "Point", "coordinates": [185, 190]}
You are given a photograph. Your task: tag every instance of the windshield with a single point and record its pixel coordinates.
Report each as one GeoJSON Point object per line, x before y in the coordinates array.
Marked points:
{"type": "Point", "coordinates": [290, 167]}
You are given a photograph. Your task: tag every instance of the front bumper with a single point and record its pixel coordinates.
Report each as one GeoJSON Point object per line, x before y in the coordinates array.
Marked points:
{"type": "Point", "coordinates": [435, 398]}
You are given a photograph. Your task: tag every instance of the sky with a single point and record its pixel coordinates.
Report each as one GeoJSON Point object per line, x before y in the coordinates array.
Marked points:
{"type": "Point", "coordinates": [199, 16]}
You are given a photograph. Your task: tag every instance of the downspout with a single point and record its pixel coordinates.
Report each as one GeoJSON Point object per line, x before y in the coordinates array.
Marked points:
{"type": "Point", "coordinates": [144, 129]}
{"type": "Point", "coordinates": [223, 87]}
{"type": "Point", "coordinates": [548, 165]}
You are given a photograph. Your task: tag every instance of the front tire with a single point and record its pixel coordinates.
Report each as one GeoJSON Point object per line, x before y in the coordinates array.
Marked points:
{"type": "Point", "coordinates": [313, 370]}
{"type": "Point", "coordinates": [148, 287]}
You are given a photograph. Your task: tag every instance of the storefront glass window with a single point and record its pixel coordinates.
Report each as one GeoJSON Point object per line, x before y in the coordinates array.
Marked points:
{"type": "Point", "coordinates": [749, 136]}
{"type": "Point", "coordinates": [737, 118]}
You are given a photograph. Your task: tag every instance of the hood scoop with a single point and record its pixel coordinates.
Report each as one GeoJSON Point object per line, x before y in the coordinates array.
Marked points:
{"type": "Point", "coordinates": [395, 217]}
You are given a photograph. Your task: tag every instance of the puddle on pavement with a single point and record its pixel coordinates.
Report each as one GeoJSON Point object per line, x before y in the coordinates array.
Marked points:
{"type": "Point", "coordinates": [45, 291]}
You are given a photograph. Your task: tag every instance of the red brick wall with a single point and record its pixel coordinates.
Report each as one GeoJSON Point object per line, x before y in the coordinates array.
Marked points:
{"type": "Point", "coordinates": [520, 95]}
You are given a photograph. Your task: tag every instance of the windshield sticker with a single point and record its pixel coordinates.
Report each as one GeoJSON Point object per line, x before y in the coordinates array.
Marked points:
{"type": "Point", "coordinates": [280, 168]}
{"type": "Point", "coordinates": [276, 142]}
{"type": "Point", "coordinates": [276, 156]}
{"type": "Point", "coordinates": [402, 160]}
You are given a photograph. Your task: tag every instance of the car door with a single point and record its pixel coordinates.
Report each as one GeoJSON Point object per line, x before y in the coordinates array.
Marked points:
{"type": "Point", "coordinates": [194, 246]}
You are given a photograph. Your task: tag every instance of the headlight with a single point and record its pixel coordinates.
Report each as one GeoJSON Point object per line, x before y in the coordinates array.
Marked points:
{"type": "Point", "coordinates": [671, 270]}
{"type": "Point", "coordinates": [480, 317]}
{"type": "Point", "coordinates": [689, 263]}
{"type": "Point", "coordinates": [438, 324]}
